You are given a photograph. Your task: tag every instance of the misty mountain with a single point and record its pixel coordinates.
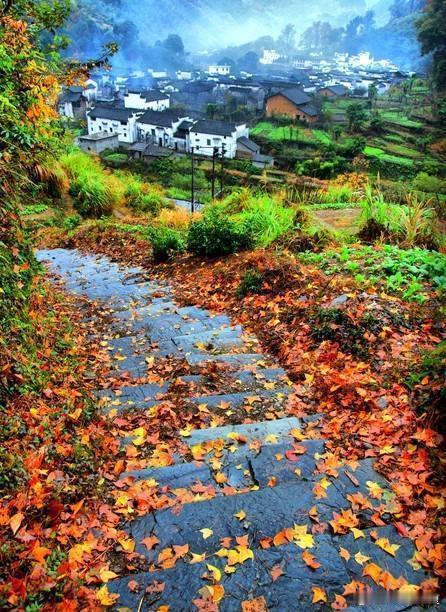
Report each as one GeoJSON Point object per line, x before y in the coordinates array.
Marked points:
{"type": "Point", "coordinates": [141, 28]}
{"type": "Point", "coordinates": [206, 24]}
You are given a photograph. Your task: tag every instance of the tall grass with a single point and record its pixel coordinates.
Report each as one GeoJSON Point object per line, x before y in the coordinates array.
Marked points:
{"type": "Point", "coordinates": [268, 219]}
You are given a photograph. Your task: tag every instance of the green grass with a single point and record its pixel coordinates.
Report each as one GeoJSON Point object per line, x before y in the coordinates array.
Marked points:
{"type": "Point", "coordinates": [322, 136]}
{"type": "Point", "coordinates": [408, 272]}
{"type": "Point", "coordinates": [276, 132]}
{"type": "Point", "coordinates": [33, 209]}
{"type": "Point", "coordinates": [383, 156]}
{"type": "Point", "coordinates": [399, 119]}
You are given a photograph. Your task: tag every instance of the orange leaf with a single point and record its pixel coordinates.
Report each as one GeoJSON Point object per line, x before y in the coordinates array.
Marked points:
{"type": "Point", "coordinates": [15, 522]}
{"type": "Point", "coordinates": [276, 572]}
{"type": "Point", "coordinates": [372, 570]}
{"type": "Point", "coordinates": [254, 605]}
{"type": "Point", "coordinates": [310, 560]}
{"type": "Point", "coordinates": [319, 594]}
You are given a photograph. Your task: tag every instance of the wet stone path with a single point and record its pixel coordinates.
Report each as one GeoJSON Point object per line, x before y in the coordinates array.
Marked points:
{"type": "Point", "coordinates": [275, 504]}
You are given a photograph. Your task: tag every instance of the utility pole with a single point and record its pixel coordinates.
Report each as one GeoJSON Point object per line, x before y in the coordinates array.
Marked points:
{"type": "Point", "coordinates": [214, 155]}
{"type": "Point", "coordinates": [222, 169]}
{"type": "Point", "coordinates": [192, 200]}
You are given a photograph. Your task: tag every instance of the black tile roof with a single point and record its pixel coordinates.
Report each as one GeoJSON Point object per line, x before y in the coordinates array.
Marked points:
{"type": "Point", "coordinates": [294, 95]}
{"type": "Point", "coordinates": [151, 95]}
{"type": "Point", "coordinates": [249, 144]}
{"type": "Point", "coordinates": [309, 110]}
{"type": "Point", "coordinates": [338, 90]}
{"type": "Point", "coordinates": [161, 118]}
{"type": "Point", "coordinates": [219, 128]}
{"type": "Point", "coordinates": [112, 112]}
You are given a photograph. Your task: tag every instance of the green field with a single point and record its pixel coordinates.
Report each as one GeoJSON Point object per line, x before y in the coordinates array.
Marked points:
{"type": "Point", "coordinates": [383, 156]}
{"type": "Point", "coordinates": [400, 119]}
{"type": "Point", "coordinates": [279, 133]}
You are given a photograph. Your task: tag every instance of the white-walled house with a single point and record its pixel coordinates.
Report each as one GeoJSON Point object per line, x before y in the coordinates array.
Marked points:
{"type": "Point", "coordinates": [160, 127]}
{"type": "Point", "coordinates": [206, 135]}
{"type": "Point", "coordinates": [147, 100]}
{"type": "Point", "coordinates": [114, 120]}
{"type": "Point", "coordinates": [219, 70]}
{"type": "Point", "coordinates": [72, 103]}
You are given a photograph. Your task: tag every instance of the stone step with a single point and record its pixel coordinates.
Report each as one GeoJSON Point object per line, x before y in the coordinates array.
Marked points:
{"type": "Point", "coordinates": [244, 468]}
{"type": "Point", "coordinates": [237, 400]}
{"type": "Point", "coordinates": [213, 341]}
{"type": "Point", "coordinates": [233, 359]}
{"type": "Point", "coordinates": [263, 431]}
{"type": "Point", "coordinates": [250, 580]}
{"type": "Point", "coordinates": [138, 397]}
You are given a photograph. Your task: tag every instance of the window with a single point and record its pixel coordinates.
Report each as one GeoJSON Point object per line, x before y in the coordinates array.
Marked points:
{"type": "Point", "coordinates": [100, 128]}
{"type": "Point", "coordinates": [208, 142]}
{"type": "Point", "coordinates": [111, 130]}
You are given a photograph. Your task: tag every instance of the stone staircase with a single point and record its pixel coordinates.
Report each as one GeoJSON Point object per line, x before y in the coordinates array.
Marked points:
{"type": "Point", "coordinates": [262, 475]}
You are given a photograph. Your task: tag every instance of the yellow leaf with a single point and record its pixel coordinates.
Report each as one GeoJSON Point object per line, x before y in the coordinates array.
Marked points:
{"type": "Point", "coordinates": [357, 533]}
{"type": "Point", "coordinates": [220, 478]}
{"type": "Point", "coordinates": [216, 573]}
{"type": "Point", "coordinates": [387, 546]}
{"type": "Point", "coordinates": [128, 545]}
{"type": "Point", "coordinates": [240, 515]}
{"type": "Point", "coordinates": [214, 593]}
{"type": "Point", "coordinates": [372, 570]}
{"type": "Point", "coordinates": [361, 559]}
{"type": "Point", "coordinates": [374, 489]}
{"type": "Point", "coordinates": [104, 597]}
{"type": "Point", "coordinates": [344, 553]}
{"type": "Point", "coordinates": [304, 541]}
{"type": "Point", "coordinates": [197, 558]}
{"type": "Point", "coordinates": [319, 595]}
{"type": "Point", "coordinates": [271, 439]}
{"type": "Point", "coordinates": [105, 575]}
{"type": "Point", "coordinates": [206, 532]}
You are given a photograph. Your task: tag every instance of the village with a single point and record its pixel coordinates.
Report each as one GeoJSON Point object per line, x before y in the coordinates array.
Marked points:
{"type": "Point", "coordinates": [210, 112]}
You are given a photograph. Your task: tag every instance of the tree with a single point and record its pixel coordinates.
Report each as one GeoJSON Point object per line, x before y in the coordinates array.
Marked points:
{"type": "Point", "coordinates": [249, 62]}
{"type": "Point", "coordinates": [431, 32]}
{"type": "Point", "coordinates": [286, 43]}
{"type": "Point", "coordinates": [373, 94]}
{"type": "Point", "coordinates": [174, 44]}
{"type": "Point", "coordinates": [356, 116]}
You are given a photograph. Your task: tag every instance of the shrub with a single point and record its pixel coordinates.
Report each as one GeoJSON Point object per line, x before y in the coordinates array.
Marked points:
{"type": "Point", "coordinates": [251, 282]}
{"type": "Point", "coordinates": [92, 197]}
{"type": "Point", "coordinates": [142, 197]}
{"type": "Point", "coordinates": [216, 235]}
{"type": "Point", "coordinates": [71, 222]}
{"type": "Point", "coordinates": [166, 243]}
{"type": "Point", "coordinates": [267, 219]}
{"type": "Point", "coordinates": [428, 183]}
{"type": "Point", "coordinates": [176, 218]}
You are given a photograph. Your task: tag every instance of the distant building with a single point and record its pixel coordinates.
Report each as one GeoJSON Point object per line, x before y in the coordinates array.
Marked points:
{"type": "Point", "coordinates": [206, 135]}
{"type": "Point", "coordinates": [333, 91]}
{"type": "Point", "coordinates": [293, 103]}
{"type": "Point", "coordinates": [147, 100]}
{"type": "Point", "coordinates": [270, 56]}
{"type": "Point", "coordinates": [98, 142]}
{"type": "Point", "coordinates": [114, 120]}
{"type": "Point", "coordinates": [72, 103]}
{"type": "Point", "coordinates": [159, 127]}
{"type": "Point", "coordinates": [219, 70]}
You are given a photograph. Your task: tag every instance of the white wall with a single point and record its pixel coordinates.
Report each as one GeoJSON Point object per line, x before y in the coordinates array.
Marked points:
{"type": "Point", "coordinates": [204, 143]}
{"type": "Point", "coordinates": [134, 100]}
{"type": "Point", "coordinates": [157, 134]}
{"type": "Point", "coordinates": [126, 133]}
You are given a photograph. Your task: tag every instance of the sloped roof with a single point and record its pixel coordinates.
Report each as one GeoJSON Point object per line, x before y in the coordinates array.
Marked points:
{"type": "Point", "coordinates": [338, 90]}
{"type": "Point", "coordinates": [160, 118]}
{"type": "Point", "coordinates": [249, 144]}
{"type": "Point", "coordinates": [294, 95]}
{"type": "Point", "coordinates": [218, 128]}
{"type": "Point", "coordinates": [151, 95]}
{"type": "Point", "coordinates": [114, 113]}
{"type": "Point", "coordinates": [309, 110]}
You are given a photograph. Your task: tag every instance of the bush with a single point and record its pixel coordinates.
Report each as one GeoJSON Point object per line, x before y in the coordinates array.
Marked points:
{"type": "Point", "coordinates": [92, 197]}
{"type": "Point", "coordinates": [267, 219]}
{"type": "Point", "coordinates": [428, 183]}
{"type": "Point", "coordinates": [251, 282]}
{"type": "Point", "coordinates": [216, 235]}
{"type": "Point", "coordinates": [71, 222]}
{"type": "Point", "coordinates": [166, 243]}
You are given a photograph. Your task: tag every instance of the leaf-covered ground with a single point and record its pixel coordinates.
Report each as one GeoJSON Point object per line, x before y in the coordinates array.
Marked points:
{"type": "Point", "coordinates": [349, 350]}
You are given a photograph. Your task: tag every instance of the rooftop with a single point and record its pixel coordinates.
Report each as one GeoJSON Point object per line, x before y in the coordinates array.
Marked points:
{"type": "Point", "coordinates": [112, 112]}
{"type": "Point", "coordinates": [219, 128]}
{"type": "Point", "coordinates": [160, 118]}
{"type": "Point", "coordinates": [294, 95]}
